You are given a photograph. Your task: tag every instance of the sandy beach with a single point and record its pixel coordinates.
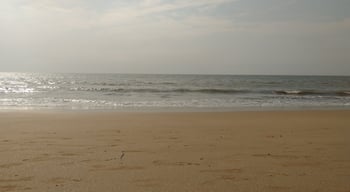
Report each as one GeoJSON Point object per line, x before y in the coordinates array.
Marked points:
{"type": "Point", "coordinates": [182, 151]}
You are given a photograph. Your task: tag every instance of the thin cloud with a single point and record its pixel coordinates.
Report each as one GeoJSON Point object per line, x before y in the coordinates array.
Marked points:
{"type": "Point", "coordinates": [127, 36]}
{"type": "Point", "coordinates": [157, 6]}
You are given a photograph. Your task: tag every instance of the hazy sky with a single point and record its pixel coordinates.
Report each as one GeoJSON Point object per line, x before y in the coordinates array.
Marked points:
{"type": "Point", "coordinates": [176, 36]}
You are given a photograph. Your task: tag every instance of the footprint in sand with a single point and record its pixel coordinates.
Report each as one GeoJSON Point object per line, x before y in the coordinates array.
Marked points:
{"type": "Point", "coordinates": [146, 182]}
{"type": "Point", "coordinates": [115, 168]}
{"type": "Point", "coordinates": [221, 171]}
{"type": "Point", "coordinates": [179, 163]}
{"type": "Point", "coordinates": [9, 187]}
{"type": "Point", "coordinates": [226, 178]}
{"type": "Point", "coordinates": [69, 154]}
{"type": "Point", "coordinates": [302, 164]}
{"type": "Point", "coordinates": [9, 165]}
{"type": "Point", "coordinates": [60, 181]}
{"type": "Point", "coordinates": [16, 179]}
{"type": "Point", "coordinates": [224, 175]}
{"type": "Point", "coordinates": [277, 156]}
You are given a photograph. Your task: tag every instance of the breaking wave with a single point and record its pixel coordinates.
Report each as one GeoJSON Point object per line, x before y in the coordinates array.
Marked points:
{"type": "Point", "coordinates": [152, 90]}
{"type": "Point", "coordinates": [312, 92]}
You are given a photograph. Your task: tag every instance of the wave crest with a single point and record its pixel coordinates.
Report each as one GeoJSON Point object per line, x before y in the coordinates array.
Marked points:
{"type": "Point", "coordinates": [312, 92]}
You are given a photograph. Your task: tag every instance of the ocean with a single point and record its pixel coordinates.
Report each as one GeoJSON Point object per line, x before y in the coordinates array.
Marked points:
{"type": "Point", "coordinates": [173, 92]}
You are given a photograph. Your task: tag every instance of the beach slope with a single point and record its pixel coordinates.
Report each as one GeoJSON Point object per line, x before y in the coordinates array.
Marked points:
{"type": "Point", "coordinates": [202, 151]}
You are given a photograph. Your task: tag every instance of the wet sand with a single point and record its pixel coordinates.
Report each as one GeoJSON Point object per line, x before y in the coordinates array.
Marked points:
{"type": "Point", "coordinates": [200, 151]}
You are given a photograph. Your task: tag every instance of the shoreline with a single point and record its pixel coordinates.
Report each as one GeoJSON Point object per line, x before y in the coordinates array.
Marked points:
{"type": "Point", "coordinates": [178, 151]}
{"type": "Point", "coordinates": [173, 109]}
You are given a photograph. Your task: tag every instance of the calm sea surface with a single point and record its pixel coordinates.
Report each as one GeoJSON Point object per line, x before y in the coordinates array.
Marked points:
{"type": "Point", "coordinates": [125, 91]}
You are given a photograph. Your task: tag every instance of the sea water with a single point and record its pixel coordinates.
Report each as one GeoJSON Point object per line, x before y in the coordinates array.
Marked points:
{"type": "Point", "coordinates": [140, 91]}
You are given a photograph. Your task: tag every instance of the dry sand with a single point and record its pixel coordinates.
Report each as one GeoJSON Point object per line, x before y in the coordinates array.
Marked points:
{"type": "Point", "coordinates": [228, 151]}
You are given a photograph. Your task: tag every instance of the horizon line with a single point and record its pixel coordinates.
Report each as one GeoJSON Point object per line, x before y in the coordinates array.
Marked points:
{"type": "Point", "coordinates": [208, 74]}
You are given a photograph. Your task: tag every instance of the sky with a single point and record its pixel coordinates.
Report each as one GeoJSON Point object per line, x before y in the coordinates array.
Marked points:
{"type": "Point", "coordinates": [271, 37]}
